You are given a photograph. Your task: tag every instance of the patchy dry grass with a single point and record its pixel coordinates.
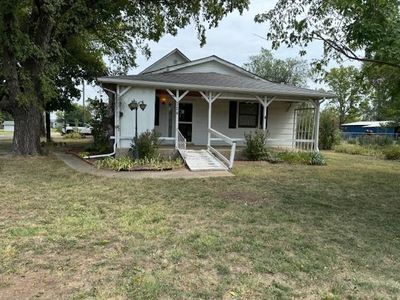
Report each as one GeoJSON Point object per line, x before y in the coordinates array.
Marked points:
{"type": "Point", "coordinates": [273, 231]}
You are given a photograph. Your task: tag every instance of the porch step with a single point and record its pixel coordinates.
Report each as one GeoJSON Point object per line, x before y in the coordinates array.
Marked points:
{"type": "Point", "coordinates": [201, 160]}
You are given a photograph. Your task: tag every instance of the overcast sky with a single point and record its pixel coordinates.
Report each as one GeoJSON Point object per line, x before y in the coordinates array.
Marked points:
{"type": "Point", "coordinates": [235, 39]}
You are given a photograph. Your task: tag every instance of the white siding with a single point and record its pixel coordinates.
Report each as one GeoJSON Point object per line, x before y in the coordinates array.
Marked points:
{"type": "Point", "coordinates": [171, 60]}
{"type": "Point", "coordinates": [210, 67]}
{"type": "Point", "coordinates": [280, 121]}
{"type": "Point", "coordinates": [145, 118]}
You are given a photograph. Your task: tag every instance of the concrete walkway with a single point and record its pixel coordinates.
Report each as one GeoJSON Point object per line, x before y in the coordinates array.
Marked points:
{"type": "Point", "coordinates": [83, 167]}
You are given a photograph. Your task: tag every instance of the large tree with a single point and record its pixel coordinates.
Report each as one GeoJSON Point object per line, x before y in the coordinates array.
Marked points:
{"type": "Point", "coordinates": [367, 31]}
{"type": "Point", "coordinates": [347, 84]}
{"type": "Point", "coordinates": [289, 71]}
{"type": "Point", "coordinates": [39, 38]}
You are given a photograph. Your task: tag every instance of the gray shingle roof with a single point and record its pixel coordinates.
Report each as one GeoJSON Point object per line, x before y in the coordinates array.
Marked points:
{"type": "Point", "coordinates": [217, 82]}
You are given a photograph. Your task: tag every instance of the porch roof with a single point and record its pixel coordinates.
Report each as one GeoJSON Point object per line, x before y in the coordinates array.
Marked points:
{"type": "Point", "coordinates": [215, 82]}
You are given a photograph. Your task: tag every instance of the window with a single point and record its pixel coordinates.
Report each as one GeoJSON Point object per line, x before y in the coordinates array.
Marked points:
{"type": "Point", "coordinates": [157, 112]}
{"type": "Point", "coordinates": [248, 115]}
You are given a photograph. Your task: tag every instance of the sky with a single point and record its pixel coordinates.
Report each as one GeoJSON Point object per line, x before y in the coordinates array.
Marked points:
{"type": "Point", "coordinates": [235, 39]}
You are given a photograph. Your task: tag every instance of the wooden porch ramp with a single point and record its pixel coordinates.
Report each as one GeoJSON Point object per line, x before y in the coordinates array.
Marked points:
{"type": "Point", "coordinates": [201, 160]}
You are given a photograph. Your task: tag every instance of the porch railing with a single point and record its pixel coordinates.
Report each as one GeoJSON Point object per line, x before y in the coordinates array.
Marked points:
{"type": "Point", "coordinates": [229, 141]}
{"type": "Point", "coordinates": [181, 142]}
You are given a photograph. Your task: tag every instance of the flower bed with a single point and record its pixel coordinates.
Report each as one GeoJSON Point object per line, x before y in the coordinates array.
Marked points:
{"type": "Point", "coordinates": [128, 164]}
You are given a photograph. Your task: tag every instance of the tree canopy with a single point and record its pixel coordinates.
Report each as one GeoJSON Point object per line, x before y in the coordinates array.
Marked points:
{"type": "Point", "coordinates": [47, 47]}
{"type": "Point", "coordinates": [367, 31]}
{"type": "Point", "coordinates": [347, 84]}
{"type": "Point", "coordinates": [289, 71]}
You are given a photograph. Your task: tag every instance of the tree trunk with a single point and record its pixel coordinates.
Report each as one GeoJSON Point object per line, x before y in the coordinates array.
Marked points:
{"type": "Point", "coordinates": [48, 127]}
{"type": "Point", "coordinates": [27, 122]}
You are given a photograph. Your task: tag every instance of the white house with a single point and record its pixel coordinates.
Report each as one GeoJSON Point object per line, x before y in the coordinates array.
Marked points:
{"type": "Point", "coordinates": [209, 102]}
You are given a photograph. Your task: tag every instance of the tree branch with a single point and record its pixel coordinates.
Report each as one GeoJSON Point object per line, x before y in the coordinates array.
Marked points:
{"type": "Point", "coordinates": [352, 55]}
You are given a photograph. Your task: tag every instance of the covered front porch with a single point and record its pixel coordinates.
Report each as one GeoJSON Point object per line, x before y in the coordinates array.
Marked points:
{"type": "Point", "coordinates": [214, 121]}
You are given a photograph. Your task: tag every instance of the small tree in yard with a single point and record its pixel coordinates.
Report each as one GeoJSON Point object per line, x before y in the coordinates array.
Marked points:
{"type": "Point", "coordinates": [329, 134]}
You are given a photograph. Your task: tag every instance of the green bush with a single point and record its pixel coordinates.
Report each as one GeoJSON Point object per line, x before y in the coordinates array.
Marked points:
{"type": "Point", "coordinates": [255, 145]}
{"type": "Point", "coordinates": [375, 140]}
{"type": "Point", "coordinates": [300, 157]}
{"type": "Point", "coordinates": [317, 159]}
{"type": "Point", "coordinates": [100, 122]}
{"type": "Point", "coordinates": [392, 153]}
{"type": "Point", "coordinates": [329, 134]}
{"type": "Point", "coordinates": [147, 145]}
{"type": "Point", "coordinates": [128, 164]}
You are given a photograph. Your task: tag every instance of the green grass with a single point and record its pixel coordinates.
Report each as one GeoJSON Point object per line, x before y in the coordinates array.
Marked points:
{"type": "Point", "coordinates": [7, 133]}
{"type": "Point", "coordinates": [272, 231]}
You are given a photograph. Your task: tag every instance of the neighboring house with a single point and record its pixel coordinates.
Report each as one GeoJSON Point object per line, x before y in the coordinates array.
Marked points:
{"type": "Point", "coordinates": [355, 129]}
{"type": "Point", "coordinates": [209, 102]}
{"type": "Point", "coordinates": [8, 125]}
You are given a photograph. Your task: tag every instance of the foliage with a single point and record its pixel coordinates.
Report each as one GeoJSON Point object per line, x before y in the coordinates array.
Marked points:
{"type": "Point", "coordinates": [4, 116]}
{"type": "Point", "coordinates": [302, 157]}
{"type": "Point", "coordinates": [372, 139]}
{"type": "Point", "coordinates": [329, 133]}
{"type": "Point", "coordinates": [99, 123]}
{"type": "Point", "coordinates": [383, 92]}
{"type": "Point", "coordinates": [129, 164]}
{"type": "Point", "coordinates": [356, 149]}
{"type": "Point", "coordinates": [347, 84]}
{"type": "Point", "coordinates": [317, 159]}
{"type": "Point", "coordinates": [147, 145]}
{"type": "Point", "coordinates": [346, 28]}
{"type": "Point", "coordinates": [292, 71]}
{"type": "Point", "coordinates": [48, 47]}
{"type": "Point", "coordinates": [392, 152]}
{"type": "Point", "coordinates": [255, 145]}
{"type": "Point", "coordinates": [75, 114]}
{"type": "Point", "coordinates": [73, 135]}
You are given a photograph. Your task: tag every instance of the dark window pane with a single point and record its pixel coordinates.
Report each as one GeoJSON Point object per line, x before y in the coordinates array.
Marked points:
{"type": "Point", "coordinates": [248, 114]}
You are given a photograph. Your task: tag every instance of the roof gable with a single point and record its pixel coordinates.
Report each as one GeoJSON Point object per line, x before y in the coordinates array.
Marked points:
{"type": "Point", "coordinates": [175, 57]}
{"type": "Point", "coordinates": [208, 64]}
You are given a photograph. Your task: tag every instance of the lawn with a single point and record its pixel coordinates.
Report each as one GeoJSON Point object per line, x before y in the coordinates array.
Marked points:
{"type": "Point", "coordinates": [272, 231]}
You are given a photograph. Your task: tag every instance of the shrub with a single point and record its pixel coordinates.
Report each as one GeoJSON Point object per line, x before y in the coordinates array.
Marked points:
{"type": "Point", "coordinates": [317, 159]}
{"type": "Point", "coordinates": [101, 142]}
{"type": "Point", "coordinates": [300, 157]}
{"type": "Point", "coordinates": [329, 134]}
{"type": "Point", "coordinates": [375, 140]}
{"type": "Point", "coordinates": [255, 145]}
{"type": "Point", "coordinates": [392, 153]}
{"type": "Point", "coordinates": [147, 145]}
{"type": "Point", "coordinates": [73, 135]}
{"type": "Point", "coordinates": [128, 164]}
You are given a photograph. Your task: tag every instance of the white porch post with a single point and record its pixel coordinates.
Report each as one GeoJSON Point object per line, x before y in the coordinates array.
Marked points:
{"type": "Point", "coordinates": [177, 97]}
{"type": "Point", "coordinates": [265, 103]}
{"type": "Point", "coordinates": [316, 124]}
{"type": "Point", "coordinates": [210, 98]}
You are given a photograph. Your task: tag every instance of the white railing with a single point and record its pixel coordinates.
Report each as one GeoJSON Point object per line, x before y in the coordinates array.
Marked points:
{"type": "Point", "coordinates": [181, 142]}
{"type": "Point", "coordinates": [229, 141]}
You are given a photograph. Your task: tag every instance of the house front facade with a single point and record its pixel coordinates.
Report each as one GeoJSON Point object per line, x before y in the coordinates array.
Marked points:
{"type": "Point", "coordinates": [211, 102]}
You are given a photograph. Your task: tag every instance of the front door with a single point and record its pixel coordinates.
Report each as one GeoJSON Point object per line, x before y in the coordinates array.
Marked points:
{"type": "Point", "coordinates": [186, 120]}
